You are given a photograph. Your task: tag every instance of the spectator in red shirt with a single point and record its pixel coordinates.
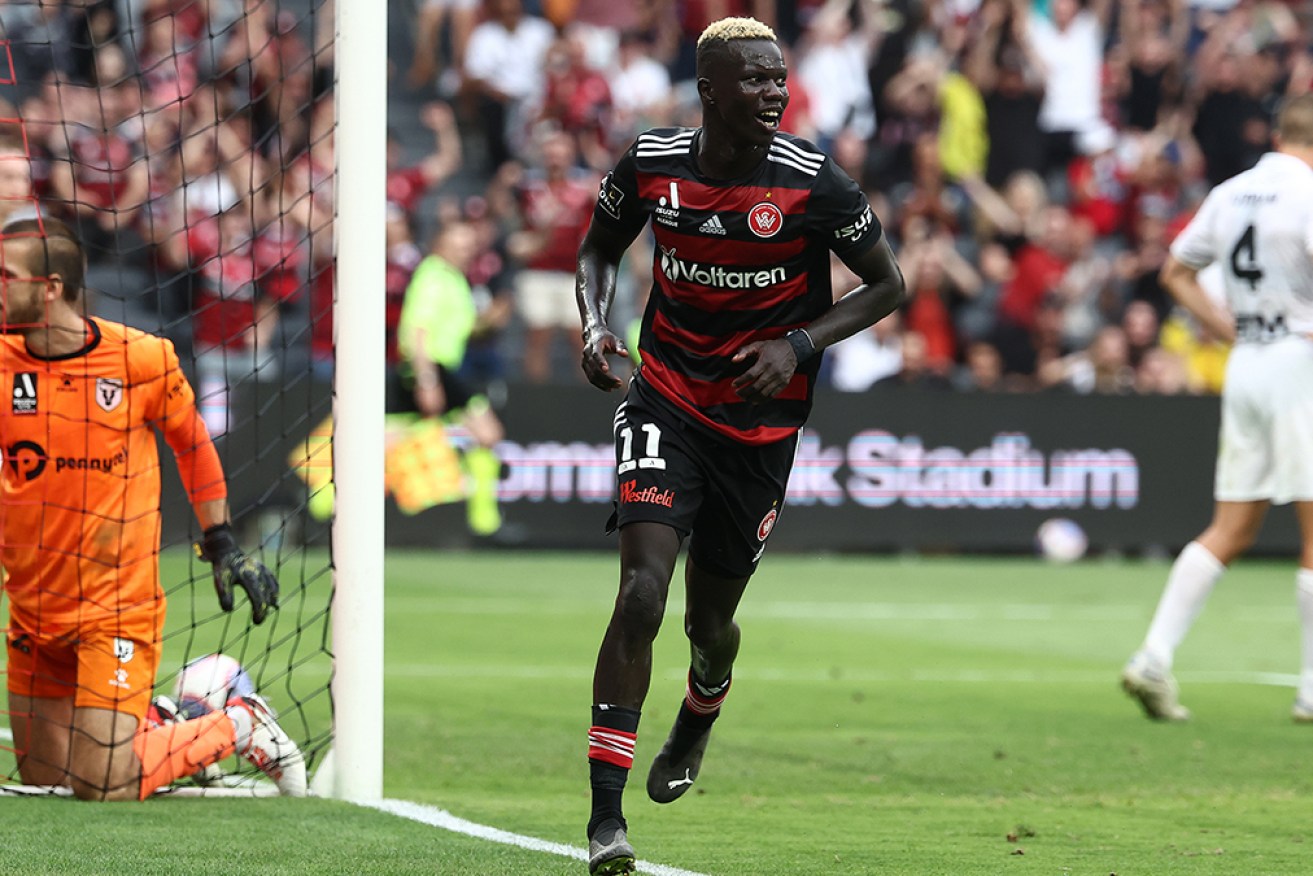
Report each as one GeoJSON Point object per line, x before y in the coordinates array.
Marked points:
{"type": "Point", "coordinates": [407, 185]}
{"type": "Point", "coordinates": [280, 250]}
{"type": "Point", "coordinates": [556, 203]}
{"type": "Point", "coordinates": [98, 172]}
{"type": "Point", "coordinates": [1096, 182]}
{"type": "Point", "coordinates": [938, 281]}
{"type": "Point", "coordinates": [232, 320]}
{"type": "Point", "coordinates": [1158, 184]}
{"type": "Point", "coordinates": [577, 99]}
{"type": "Point", "coordinates": [188, 19]}
{"type": "Point", "coordinates": [167, 58]}
{"type": "Point", "coordinates": [1040, 265]}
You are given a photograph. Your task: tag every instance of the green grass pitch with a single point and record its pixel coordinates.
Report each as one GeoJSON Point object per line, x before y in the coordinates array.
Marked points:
{"type": "Point", "coordinates": [889, 716]}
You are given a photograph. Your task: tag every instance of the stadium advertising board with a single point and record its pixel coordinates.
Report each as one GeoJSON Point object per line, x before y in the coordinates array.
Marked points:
{"type": "Point", "coordinates": [886, 470]}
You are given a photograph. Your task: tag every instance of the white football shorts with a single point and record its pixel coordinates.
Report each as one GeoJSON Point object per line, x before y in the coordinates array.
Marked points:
{"type": "Point", "coordinates": [546, 299]}
{"type": "Point", "coordinates": [1265, 449]}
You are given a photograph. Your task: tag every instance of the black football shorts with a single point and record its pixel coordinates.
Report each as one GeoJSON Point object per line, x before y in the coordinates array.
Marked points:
{"type": "Point", "coordinates": [400, 397]}
{"type": "Point", "coordinates": [726, 495]}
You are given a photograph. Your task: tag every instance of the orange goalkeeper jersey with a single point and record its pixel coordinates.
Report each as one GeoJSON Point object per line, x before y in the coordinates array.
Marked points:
{"type": "Point", "coordinates": [80, 507]}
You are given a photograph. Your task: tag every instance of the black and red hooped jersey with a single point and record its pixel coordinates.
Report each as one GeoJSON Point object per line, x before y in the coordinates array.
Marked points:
{"type": "Point", "coordinates": [736, 261]}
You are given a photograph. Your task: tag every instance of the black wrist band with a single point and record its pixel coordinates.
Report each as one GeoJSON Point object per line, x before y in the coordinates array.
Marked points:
{"type": "Point", "coordinates": [801, 342]}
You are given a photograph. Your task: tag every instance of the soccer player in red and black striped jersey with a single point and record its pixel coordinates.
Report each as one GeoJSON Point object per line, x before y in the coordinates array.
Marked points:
{"type": "Point", "coordinates": [745, 218]}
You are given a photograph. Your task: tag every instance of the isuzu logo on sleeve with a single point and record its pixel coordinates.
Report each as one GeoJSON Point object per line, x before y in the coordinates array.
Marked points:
{"type": "Point", "coordinates": [765, 219]}
{"type": "Point", "coordinates": [857, 229]}
{"type": "Point", "coordinates": [109, 392]}
{"type": "Point", "coordinates": [25, 392]}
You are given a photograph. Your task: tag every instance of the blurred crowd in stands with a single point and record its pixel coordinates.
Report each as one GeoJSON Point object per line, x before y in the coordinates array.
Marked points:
{"type": "Point", "coordinates": [190, 143]}
{"type": "Point", "coordinates": [1031, 161]}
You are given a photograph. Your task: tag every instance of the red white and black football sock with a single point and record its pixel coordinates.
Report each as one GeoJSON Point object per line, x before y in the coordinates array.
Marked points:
{"type": "Point", "coordinates": [700, 709]}
{"type": "Point", "coordinates": [610, 757]}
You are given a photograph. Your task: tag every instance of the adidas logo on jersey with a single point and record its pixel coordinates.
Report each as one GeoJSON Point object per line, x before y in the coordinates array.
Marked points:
{"type": "Point", "coordinates": [712, 226]}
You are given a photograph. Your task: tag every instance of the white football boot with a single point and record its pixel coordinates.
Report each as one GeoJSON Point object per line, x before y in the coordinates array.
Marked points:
{"type": "Point", "coordinates": [1155, 688]}
{"type": "Point", "coordinates": [269, 748]}
{"type": "Point", "coordinates": [1302, 711]}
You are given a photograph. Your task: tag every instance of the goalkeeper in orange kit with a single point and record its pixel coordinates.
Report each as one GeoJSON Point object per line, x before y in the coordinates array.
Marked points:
{"type": "Point", "coordinates": [79, 539]}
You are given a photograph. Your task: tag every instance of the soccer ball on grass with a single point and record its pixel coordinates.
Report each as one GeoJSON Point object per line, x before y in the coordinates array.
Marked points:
{"type": "Point", "coordinates": [1060, 540]}
{"type": "Point", "coordinates": [207, 683]}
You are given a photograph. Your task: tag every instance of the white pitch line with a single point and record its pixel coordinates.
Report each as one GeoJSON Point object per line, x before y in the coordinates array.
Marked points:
{"type": "Point", "coordinates": [440, 818]}
{"type": "Point", "coordinates": [1033, 612]}
{"type": "Point", "coordinates": [844, 676]}
{"type": "Point", "coordinates": [443, 819]}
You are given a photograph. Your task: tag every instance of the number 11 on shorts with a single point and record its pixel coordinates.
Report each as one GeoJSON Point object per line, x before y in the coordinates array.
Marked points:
{"type": "Point", "coordinates": [652, 449]}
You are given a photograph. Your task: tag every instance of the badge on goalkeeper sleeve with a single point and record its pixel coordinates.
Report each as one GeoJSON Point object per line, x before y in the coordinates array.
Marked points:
{"type": "Point", "coordinates": [232, 569]}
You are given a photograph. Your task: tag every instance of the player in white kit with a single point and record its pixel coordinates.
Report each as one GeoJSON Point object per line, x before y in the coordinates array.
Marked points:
{"type": "Point", "coordinates": [1259, 226]}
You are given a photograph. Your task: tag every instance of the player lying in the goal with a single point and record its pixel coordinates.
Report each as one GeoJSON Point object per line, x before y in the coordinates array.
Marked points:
{"type": "Point", "coordinates": [79, 539]}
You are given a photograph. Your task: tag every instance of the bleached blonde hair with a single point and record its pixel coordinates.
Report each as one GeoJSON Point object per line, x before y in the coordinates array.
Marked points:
{"type": "Point", "coordinates": [727, 29]}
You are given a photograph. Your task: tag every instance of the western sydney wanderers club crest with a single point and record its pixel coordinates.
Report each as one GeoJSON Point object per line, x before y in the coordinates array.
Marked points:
{"type": "Point", "coordinates": [765, 219]}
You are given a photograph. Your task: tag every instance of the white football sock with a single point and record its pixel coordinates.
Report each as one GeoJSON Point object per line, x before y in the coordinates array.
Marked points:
{"type": "Point", "coordinates": [1189, 584]}
{"type": "Point", "coordinates": [1304, 598]}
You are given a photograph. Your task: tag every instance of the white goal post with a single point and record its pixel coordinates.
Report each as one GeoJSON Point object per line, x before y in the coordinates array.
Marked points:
{"type": "Point", "coordinates": [359, 348]}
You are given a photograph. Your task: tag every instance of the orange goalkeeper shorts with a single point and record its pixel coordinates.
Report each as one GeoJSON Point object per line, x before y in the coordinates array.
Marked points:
{"type": "Point", "coordinates": [97, 668]}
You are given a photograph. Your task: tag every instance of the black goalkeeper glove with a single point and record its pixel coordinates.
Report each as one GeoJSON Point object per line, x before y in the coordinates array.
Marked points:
{"type": "Point", "coordinates": [232, 567]}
